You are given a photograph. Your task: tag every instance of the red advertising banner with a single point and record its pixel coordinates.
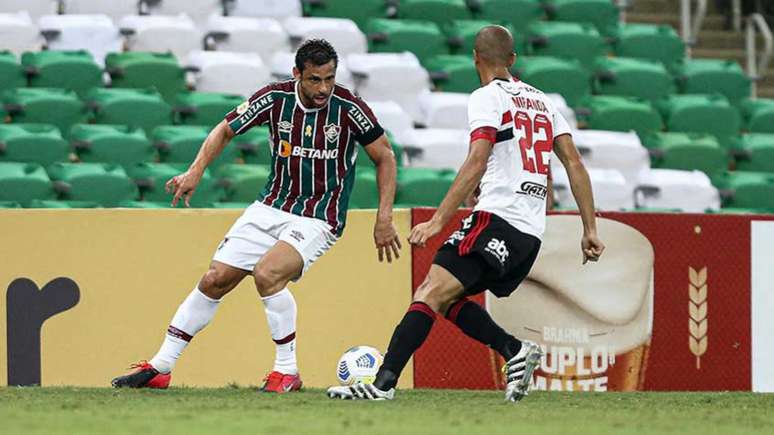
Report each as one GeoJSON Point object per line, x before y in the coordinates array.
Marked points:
{"type": "Point", "coordinates": [667, 308]}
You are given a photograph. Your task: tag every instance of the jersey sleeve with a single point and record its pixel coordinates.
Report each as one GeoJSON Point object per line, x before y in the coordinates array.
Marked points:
{"type": "Point", "coordinates": [365, 126]}
{"type": "Point", "coordinates": [560, 125]}
{"type": "Point", "coordinates": [484, 117]}
{"type": "Point", "coordinates": [253, 112]}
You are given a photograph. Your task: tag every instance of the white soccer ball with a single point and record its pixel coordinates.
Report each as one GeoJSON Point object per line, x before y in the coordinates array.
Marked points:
{"type": "Point", "coordinates": [358, 364]}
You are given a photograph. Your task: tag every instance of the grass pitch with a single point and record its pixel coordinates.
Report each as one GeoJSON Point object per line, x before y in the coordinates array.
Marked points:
{"type": "Point", "coordinates": [244, 410]}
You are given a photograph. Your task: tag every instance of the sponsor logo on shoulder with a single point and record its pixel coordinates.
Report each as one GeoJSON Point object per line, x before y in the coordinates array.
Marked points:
{"type": "Point", "coordinates": [532, 189]}
{"type": "Point", "coordinates": [498, 249]}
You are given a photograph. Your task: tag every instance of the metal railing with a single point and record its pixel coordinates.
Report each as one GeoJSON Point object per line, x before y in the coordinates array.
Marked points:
{"type": "Point", "coordinates": [757, 66]}
{"type": "Point", "coordinates": [690, 24]}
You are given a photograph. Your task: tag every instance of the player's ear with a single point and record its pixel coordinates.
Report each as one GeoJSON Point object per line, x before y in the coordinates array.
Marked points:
{"type": "Point", "coordinates": [511, 60]}
{"type": "Point", "coordinates": [296, 73]}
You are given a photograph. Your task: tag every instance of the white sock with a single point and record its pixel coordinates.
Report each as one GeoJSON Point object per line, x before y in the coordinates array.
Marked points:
{"type": "Point", "coordinates": [192, 316]}
{"type": "Point", "coordinates": [281, 314]}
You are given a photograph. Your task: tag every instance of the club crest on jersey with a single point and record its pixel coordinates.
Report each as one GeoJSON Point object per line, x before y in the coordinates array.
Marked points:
{"type": "Point", "coordinates": [332, 132]}
{"type": "Point", "coordinates": [284, 127]}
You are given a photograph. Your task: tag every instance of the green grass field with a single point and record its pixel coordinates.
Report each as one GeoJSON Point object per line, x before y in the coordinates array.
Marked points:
{"type": "Point", "coordinates": [244, 410]}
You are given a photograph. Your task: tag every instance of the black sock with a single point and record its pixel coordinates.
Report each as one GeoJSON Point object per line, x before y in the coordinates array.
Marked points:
{"type": "Point", "coordinates": [476, 323]}
{"type": "Point", "coordinates": [410, 333]}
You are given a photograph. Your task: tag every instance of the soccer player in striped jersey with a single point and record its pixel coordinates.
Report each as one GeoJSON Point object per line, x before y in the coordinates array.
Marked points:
{"type": "Point", "coordinates": [513, 130]}
{"type": "Point", "coordinates": [316, 126]}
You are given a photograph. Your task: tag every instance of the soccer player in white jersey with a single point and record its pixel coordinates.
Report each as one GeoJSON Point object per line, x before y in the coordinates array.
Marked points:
{"type": "Point", "coordinates": [514, 128]}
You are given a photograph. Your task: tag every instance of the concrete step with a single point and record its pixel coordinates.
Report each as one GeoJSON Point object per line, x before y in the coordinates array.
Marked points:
{"type": "Point", "coordinates": [765, 92]}
{"type": "Point", "coordinates": [736, 54]}
{"type": "Point", "coordinates": [722, 39]}
{"type": "Point", "coordinates": [655, 6]}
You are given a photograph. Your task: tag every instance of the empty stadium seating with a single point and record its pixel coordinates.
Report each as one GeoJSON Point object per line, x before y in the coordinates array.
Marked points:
{"type": "Point", "coordinates": [611, 192]}
{"type": "Point", "coordinates": [32, 143]}
{"type": "Point", "coordinates": [233, 73]}
{"type": "Point", "coordinates": [198, 10]}
{"type": "Point", "coordinates": [647, 41]}
{"type": "Point", "coordinates": [754, 152]}
{"type": "Point", "coordinates": [438, 11]}
{"type": "Point", "coordinates": [151, 177]}
{"type": "Point", "coordinates": [751, 190]}
{"type": "Point", "coordinates": [142, 108]}
{"type": "Point", "coordinates": [264, 36]}
{"type": "Point", "coordinates": [359, 12]}
{"type": "Point", "coordinates": [59, 107]}
{"type": "Point", "coordinates": [517, 13]}
{"type": "Point", "coordinates": [204, 108]}
{"type": "Point", "coordinates": [421, 37]}
{"type": "Point", "coordinates": [437, 148]}
{"type": "Point", "coordinates": [725, 77]}
{"type": "Point", "coordinates": [686, 151]}
{"type": "Point", "coordinates": [11, 73]}
{"type": "Point", "coordinates": [689, 191]}
{"type": "Point", "coordinates": [146, 70]}
{"type": "Point", "coordinates": [603, 14]}
{"type": "Point", "coordinates": [74, 70]}
{"type": "Point", "coordinates": [255, 146]}
{"type": "Point", "coordinates": [758, 115]}
{"type": "Point", "coordinates": [181, 143]}
{"type": "Point", "coordinates": [106, 184]}
{"type": "Point", "coordinates": [633, 78]}
{"type": "Point", "coordinates": [115, 9]}
{"type": "Point", "coordinates": [364, 193]}
{"type": "Point", "coordinates": [701, 114]}
{"type": "Point", "coordinates": [453, 73]}
{"type": "Point", "coordinates": [52, 203]}
{"type": "Point", "coordinates": [423, 186]}
{"type": "Point", "coordinates": [264, 8]}
{"type": "Point", "coordinates": [607, 112]}
{"type": "Point", "coordinates": [342, 33]}
{"type": "Point", "coordinates": [462, 34]}
{"type": "Point", "coordinates": [444, 109]}
{"type": "Point", "coordinates": [394, 119]}
{"type": "Point", "coordinates": [566, 40]}
{"type": "Point", "coordinates": [24, 182]}
{"type": "Point", "coordinates": [96, 34]}
{"type": "Point", "coordinates": [611, 150]}
{"type": "Point", "coordinates": [552, 74]}
{"type": "Point", "coordinates": [117, 144]}
{"type": "Point", "coordinates": [243, 183]}
{"type": "Point", "coordinates": [18, 33]}
{"type": "Point", "coordinates": [177, 34]}
{"type": "Point", "coordinates": [282, 63]}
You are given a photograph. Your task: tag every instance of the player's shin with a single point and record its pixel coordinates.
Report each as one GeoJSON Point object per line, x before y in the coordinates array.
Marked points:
{"type": "Point", "coordinates": [192, 316]}
{"type": "Point", "coordinates": [476, 323]}
{"type": "Point", "coordinates": [410, 333]}
{"type": "Point", "coordinates": [281, 315]}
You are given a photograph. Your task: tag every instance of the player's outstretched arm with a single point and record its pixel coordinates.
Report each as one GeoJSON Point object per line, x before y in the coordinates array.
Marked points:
{"type": "Point", "coordinates": [564, 147]}
{"type": "Point", "coordinates": [184, 185]}
{"type": "Point", "coordinates": [463, 186]}
{"type": "Point", "coordinates": [385, 236]}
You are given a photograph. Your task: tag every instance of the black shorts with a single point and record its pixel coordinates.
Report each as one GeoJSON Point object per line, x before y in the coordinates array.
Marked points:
{"type": "Point", "coordinates": [487, 253]}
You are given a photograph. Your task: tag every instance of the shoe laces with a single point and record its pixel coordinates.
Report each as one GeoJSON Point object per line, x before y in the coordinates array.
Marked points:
{"type": "Point", "coordinates": [140, 364]}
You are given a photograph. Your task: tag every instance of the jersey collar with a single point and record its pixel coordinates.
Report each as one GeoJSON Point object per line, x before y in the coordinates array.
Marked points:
{"type": "Point", "coordinates": [307, 109]}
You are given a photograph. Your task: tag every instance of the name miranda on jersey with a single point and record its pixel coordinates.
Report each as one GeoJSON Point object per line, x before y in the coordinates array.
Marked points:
{"type": "Point", "coordinates": [530, 104]}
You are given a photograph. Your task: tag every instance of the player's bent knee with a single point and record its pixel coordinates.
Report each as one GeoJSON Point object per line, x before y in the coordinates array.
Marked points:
{"type": "Point", "coordinates": [268, 281]}
{"type": "Point", "coordinates": [434, 296]}
{"type": "Point", "coordinates": [215, 284]}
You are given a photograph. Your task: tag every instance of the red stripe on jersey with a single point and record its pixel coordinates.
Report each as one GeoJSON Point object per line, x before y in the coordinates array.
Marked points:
{"type": "Point", "coordinates": [488, 133]}
{"type": "Point", "coordinates": [318, 185]}
{"type": "Point", "coordinates": [333, 206]}
{"type": "Point", "coordinates": [467, 243]}
{"type": "Point", "coordinates": [293, 163]}
{"type": "Point", "coordinates": [275, 137]}
{"type": "Point", "coordinates": [507, 117]}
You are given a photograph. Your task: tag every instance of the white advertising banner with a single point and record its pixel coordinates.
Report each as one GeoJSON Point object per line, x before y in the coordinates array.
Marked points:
{"type": "Point", "coordinates": [762, 246]}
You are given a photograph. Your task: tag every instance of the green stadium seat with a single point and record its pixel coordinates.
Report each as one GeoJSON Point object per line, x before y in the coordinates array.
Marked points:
{"type": "Point", "coordinates": [517, 13]}
{"type": "Point", "coordinates": [603, 14]}
{"type": "Point", "coordinates": [73, 70]}
{"type": "Point", "coordinates": [554, 75]}
{"type": "Point", "coordinates": [438, 11]}
{"type": "Point", "coordinates": [754, 152]}
{"type": "Point", "coordinates": [422, 186]}
{"type": "Point", "coordinates": [11, 73]}
{"type": "Point", "coordinates": [749, 190]}
{"type": "Point", "coordinates": [702, 114]}
{"type": "Point", "coordinates": [230, 205]}
{"type": "Point", "coordinates": [144, 204]}
{"type": "Point", "coordinates": [632, 78]}
{"type": "Point", "coordinates": [359, 12]}
{"type": "Point", "coordinates": [137, 69]}
{"type": "Point", "coordinates": [106, 184]}
{"type": "Point", "coordinates": [364, 160]}
{"type": "Point", "coordinates": [181, 143]}
{"type": "Point", "coordinates": [59, 107]}
{"type": "Point", "coordinates": [255, 146]}
{"type": "Point", "coordinates": [10, 204]}
{"type": "Point", "coordinates": [453, 73]}
{"type": "Point", "coordinates": [142, 108]}
{"type": "Point", "coordinates": [48, 203]}
{"type": "Point", "coordinates": [365, 193]}
{"type": "Point", "coordinates": [758, 115]}
{"type": "Point", "coordinates": [24, 182]}
{"type": "Point", "coordinates": [607, 112]}
{"type": "Point", "coordinates": [152, 177]}
{"type": "Point", "coordinates": [32, 143]}
{"type": "Point", "coordinates": [423, 38]}
{"type": "Point", "coordinates": [119, 144]}
{"type": "Point", "coordinates": [462, 35]}
{"type": "Point", "coordinates": [566, 40]}
{"type": "Point", "coordinates": [703, 76]}
{"type": "Point", "coordinates": [204, 108]}
{"type": "Point", "coordinates": [647, 41]}
{"type": "Point", "coordinates": [243, 183]}
{"type": "Point", "coordinates": [736, 210]}
{"type": "Point", "coordinates": [686, 151]}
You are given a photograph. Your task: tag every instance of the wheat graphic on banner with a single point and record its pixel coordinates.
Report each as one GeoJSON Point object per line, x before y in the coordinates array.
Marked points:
{"type": "Point", "coordinates": [697, 310]}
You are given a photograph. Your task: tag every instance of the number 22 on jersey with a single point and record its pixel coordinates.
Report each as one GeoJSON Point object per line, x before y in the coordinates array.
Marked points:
{"type": "Point", "coordinates": [532, 150]}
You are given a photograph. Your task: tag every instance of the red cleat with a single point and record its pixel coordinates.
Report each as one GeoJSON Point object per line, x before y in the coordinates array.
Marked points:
{"type": "Point", "coordinates": [145, 376]}
{"type": "Point", "coordinates": [276, 382]}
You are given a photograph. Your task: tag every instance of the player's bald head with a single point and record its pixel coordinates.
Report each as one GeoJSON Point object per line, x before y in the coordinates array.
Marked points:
{"type": "Point", "coordinates": [494, 45]}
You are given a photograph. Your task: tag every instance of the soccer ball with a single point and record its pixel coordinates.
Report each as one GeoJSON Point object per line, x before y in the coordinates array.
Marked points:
{"type": "Point", "coordinates": [358, 364]}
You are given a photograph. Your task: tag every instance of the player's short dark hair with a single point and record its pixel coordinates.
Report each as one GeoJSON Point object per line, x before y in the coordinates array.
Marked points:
{"type": "Point", "coordinates": [317, 52]}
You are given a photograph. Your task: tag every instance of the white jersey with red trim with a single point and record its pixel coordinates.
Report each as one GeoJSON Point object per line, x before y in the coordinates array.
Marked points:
{"type": "Point", "coordinates": [522, 123]}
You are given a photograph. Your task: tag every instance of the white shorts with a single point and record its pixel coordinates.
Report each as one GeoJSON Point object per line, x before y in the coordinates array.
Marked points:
{"type": "Point", "coordinates": [260, 227]}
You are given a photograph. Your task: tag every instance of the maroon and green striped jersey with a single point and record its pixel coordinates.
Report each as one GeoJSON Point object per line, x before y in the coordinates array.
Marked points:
{"type": "Point", "coordinates": [313, 150]}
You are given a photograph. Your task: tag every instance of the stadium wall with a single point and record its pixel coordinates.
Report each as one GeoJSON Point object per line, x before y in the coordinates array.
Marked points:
{"type": "Point", "coordinates": [117, 277]}
{"type": "Point", "coordinates": [679, 302]}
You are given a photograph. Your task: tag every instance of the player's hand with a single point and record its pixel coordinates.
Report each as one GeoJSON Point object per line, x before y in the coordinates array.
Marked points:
{"type": "Point", "coordinates": [183, 186]}
{"type": "Point", "coordinates": [592, 247]}
{"type": "Point", "coordinates": [421, 233]}
{"type": "Point", "coordinates": [387, 240]}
